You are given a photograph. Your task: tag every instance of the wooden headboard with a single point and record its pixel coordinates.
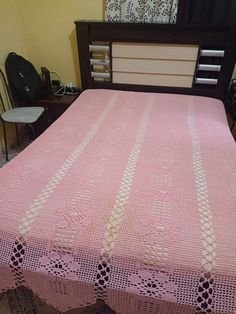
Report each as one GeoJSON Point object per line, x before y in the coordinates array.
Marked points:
{"type": "Point", "coordinates": [194, 60]}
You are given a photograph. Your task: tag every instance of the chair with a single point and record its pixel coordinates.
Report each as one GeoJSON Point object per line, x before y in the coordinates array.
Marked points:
{"type": "Point", "coordinates": [18, 115]}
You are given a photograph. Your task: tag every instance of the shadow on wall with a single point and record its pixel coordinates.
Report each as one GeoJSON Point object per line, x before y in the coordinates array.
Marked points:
{"type": "Point", "coordinates": [73, 42]}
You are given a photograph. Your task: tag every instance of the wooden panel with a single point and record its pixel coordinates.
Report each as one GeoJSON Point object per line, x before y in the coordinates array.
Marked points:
{"type": "Point", "coordinates": [155, 51]}
{"type": "Point", "coordinates": [153, 66]}
{"type": "Point", "coordinates": [152, 79]}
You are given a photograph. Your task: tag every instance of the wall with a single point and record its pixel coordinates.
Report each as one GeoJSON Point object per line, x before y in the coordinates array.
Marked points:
{"type": "Point", "coordinates": [50, 32]}
{"type": "Point", "coordinates": [12, 39]}
{"type": "Point", "coordinates": [11, 30]}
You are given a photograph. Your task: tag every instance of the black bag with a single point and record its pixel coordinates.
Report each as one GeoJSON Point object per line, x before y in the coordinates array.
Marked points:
{"type": "Point", "coordinates": [24, 81]}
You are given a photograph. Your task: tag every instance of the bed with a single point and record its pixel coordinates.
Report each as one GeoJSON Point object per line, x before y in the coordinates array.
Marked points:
{"type": "Point", "coordinates": [129, 196]}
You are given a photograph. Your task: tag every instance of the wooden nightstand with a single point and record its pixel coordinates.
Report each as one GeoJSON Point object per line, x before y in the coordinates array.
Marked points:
{"type": "Point", "coordinates": [55, 105]}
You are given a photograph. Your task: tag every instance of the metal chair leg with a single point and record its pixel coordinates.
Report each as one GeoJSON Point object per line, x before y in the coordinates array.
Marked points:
{"type": "Point", "coordinates": [232, 126]}
{"type": "Point", "coordinates": [5, 139]}
{"type": "Point", "coordinates": [45, 119]}
{"type": "Point", "coordinates": [17, 135]}
{"type": "Point", "coordinates": [33, 130]}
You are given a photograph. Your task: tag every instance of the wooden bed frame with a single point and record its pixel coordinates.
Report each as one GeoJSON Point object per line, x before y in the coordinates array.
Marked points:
{"type": "Point", "coordinates": [211, 67]}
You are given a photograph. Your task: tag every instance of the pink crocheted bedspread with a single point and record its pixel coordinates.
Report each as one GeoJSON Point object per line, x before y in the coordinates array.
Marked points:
{"type": "Point", "coordinates": [127, 197]}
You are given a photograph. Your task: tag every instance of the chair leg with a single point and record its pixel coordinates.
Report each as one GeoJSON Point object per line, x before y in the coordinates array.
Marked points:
{"type": "Point", "coordinates": [45, 119]}
{"type": "Point", "coordinates": [33, 130]}
{"type": "Point", "coordinates": [232, 126]}
{"type": "Point", "coordinates": [5, 139]}
{"type": "Point", "coordinates": [17, 135]}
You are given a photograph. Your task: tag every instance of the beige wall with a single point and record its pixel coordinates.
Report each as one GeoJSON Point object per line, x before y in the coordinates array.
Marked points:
{"type": "Point", "coordinates": [11, 30]}
{"type": "Point", "coordinates": [50, 32]}
{"type": "Point", "coordinates": [12, 36]}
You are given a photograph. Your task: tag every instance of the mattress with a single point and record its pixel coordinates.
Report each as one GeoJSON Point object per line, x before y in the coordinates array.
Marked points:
{"type": "Point", "coordinates": [128, 197]}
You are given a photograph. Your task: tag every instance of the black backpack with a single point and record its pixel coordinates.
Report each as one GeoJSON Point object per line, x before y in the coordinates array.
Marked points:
{"type": "Point", "coordinates": [24, 81]}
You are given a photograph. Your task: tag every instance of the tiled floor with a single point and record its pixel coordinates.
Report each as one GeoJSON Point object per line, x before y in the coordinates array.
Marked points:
{"type": "Point", "coordinates": [4, 308]}
{"type": "Point", "coordinates": [43, 308]}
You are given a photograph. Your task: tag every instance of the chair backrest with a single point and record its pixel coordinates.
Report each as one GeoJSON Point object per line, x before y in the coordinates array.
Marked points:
{"type": "Point", "coordinates": [2, 106]}
{"type": "Point", "coordinates": [6, 99]}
